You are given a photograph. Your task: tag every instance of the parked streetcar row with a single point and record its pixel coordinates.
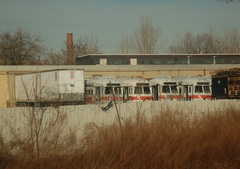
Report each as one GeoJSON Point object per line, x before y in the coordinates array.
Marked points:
{"type": "Point", "coordinates": [159, 88]}
{"type": "Point", "coordinates": [64, 87]}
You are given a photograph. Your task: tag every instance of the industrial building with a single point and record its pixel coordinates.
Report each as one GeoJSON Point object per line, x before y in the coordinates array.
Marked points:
{"type": "Point", "coordinates": [157, 59]}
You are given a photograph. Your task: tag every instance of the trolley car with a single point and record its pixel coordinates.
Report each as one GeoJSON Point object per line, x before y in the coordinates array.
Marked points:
{"type": "Point", "coordinates": [136, 89]}
{"type": "Point", "coordinates": [165, 88]}
{"type": "Point", "coordinates": [195, 87]}
{"type": "Point", "coordinates": [103, 90]}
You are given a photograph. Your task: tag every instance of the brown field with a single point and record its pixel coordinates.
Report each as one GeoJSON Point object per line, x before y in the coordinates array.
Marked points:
{"type": "Point", "coordinates": [170, 140]}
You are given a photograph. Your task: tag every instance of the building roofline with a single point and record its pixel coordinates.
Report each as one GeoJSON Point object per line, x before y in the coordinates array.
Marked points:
{"type": "Point", "coordinates": [204, 54]}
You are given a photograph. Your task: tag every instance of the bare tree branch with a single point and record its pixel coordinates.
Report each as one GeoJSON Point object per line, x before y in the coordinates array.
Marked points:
{"type": "Point", "coordinates": [228, 0]}
{"type": "Point", "coordinates": [143, 40]}
{"type": "Point", "coordinates": [82, 46]}
{"type": "Point", "coordinates": [125, 44]}
{"type": "Point", "coordinates": [19, 47]}
{"type": "Point", "coordinates": [56, 58]}
{"type": "Point", "coordinates": [208, 42]}
{"type": "Point", "coordinates": [146, 36]}
{"type": "Point", "coordinates": [86, 45]}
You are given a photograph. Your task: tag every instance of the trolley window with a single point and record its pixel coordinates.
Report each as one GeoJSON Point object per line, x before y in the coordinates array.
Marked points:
{"type": "Point", "coordinates": [174, 89]}
{"type": "Point", "coordinates": [108, 90]}
{"type": "Point", "coordinates": [206, 89]}
{"type": "Point", "coordinates": [146, 90]}
{"type": "Point", "coordinates": [189, 89]}
{"type": "Point", "coordinates": [198, 89]}
{"type": "Point", "coordinates": [117, 90]}
{"type": "Point", "coordinates": [98, 91]}
{"type": "Point", "coordinates": [89, 91]}
{"type": "Point", "coordinates": [165, 89]}
{"type": "Point", "coordinates": [138, 90]}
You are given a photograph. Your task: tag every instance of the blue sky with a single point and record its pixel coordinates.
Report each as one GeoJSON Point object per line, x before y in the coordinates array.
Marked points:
{"type": "Point", "coordinates": [108, 20]}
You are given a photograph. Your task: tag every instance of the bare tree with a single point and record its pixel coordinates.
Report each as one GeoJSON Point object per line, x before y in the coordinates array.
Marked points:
{"type": "Point", "coordinates": [54, 58]}
{"type": "Point", "coordinates": [228, 0]}
{"type": "Point", "coordinates": [231, 40]}
{"type": "Point", "coordinates": [19, 47]}
{"type": "Point", "coordinates": [187, 44]}
{"type": "Point", "coordinates": [125, 44]}
{"type": "Point", "coordinates": [212, 42]}
{"type": "Point", "coordinates": [208, 42]}
{"type": "Point", "coordinates": [146, 36]}
{"type": "Point", "coordinates": [86, 45]}
{"type": "Point", "coordinates": [143, 40]}
{"type": "Point", "coordinates": [82, 46]}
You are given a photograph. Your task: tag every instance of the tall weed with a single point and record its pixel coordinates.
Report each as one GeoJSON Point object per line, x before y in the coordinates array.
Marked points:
{"type": "Point", "coordinates": [171, 139]}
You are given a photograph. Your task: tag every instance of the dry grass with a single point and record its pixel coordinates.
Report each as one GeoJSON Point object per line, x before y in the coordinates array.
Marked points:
{"type": "Point", "coordinates": [170, 140]}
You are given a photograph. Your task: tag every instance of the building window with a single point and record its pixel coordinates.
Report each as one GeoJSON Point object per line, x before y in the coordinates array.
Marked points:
{"type": "Point", "coordinates": [118, 61]}
{"type": "Point", "coordinates": [96, 61]}
{"type": "Point", "coordinates": [201, 60]}
{"type": "Point", "coordinates": [234, 60]}
{"type": "Point", "coordinates": [170, 61]}
{"type": "Point", "coordinates": [180, 60]}
{"type": "Point", "coordinates": [143, 61]}
{"type": "Point", "coordinates": [221, 60]}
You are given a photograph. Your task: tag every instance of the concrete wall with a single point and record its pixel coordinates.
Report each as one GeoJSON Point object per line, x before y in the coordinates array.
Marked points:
{"type": "Point", "coordinates": [15, 121]}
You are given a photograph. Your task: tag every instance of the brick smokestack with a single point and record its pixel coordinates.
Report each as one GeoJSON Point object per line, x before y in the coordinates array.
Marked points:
{"type": "Point", "coordinates": [70, 58]}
